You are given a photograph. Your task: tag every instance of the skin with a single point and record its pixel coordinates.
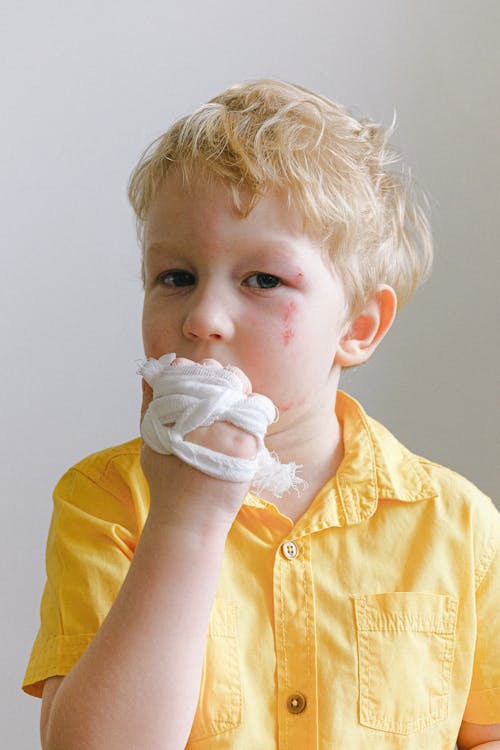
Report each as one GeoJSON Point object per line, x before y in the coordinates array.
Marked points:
{"type": "Point", "coordinates": [256, 295]}
{"type": "Point", "coordinates": [249, 293]}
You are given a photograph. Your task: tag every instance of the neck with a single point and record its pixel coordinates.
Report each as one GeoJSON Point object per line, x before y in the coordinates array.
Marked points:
{"type": "Point", "coordinates": [313, 440]}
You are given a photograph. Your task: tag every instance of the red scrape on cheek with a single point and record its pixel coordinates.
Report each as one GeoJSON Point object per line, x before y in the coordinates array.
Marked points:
{"type": "Point", "coordinates": [288, 332]}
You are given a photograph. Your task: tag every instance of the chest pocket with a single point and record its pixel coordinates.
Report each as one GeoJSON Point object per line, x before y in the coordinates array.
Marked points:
{"type": "Point", "coordinates": [405, 645]}
{"type": "Point", "coordinates": [220, 701]}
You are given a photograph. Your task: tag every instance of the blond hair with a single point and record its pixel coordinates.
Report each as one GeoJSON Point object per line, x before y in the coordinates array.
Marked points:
{"type": "Point", "coordinates": [341, 173]}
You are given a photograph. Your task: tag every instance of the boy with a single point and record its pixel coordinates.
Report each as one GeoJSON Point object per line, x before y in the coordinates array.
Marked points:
{"type": "Point", "coordinates": [358, 609]}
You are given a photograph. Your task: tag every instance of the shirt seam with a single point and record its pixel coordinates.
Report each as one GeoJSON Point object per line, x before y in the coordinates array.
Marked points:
{"type": "Point", "coordinates": [97, 481]}
{"type": "Point", "coordinates": [484, 562]}
{"type": "Point", "coordinates": [116, 453]}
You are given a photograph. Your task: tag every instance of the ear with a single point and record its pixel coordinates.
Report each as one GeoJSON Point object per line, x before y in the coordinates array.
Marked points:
{"type": "Point", "coordinates": [364, 333]}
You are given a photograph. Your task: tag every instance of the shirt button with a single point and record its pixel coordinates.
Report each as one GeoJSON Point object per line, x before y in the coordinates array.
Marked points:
{"type": "Point", "coordinates": [296, 703]}
{"type": "Point", "coordinates": [290, 550]}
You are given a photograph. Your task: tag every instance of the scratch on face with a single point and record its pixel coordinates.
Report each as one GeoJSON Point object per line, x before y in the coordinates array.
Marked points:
{"type": "Point", "coordinates": [288, 332]}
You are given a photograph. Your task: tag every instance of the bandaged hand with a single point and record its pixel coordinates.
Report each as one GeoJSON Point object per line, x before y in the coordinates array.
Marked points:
{"type": "Point", "coordinates": [188, 396]}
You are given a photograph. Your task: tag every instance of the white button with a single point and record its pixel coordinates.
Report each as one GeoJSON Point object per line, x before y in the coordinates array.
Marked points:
{"type": "Point", "coordinates": [289, 550]}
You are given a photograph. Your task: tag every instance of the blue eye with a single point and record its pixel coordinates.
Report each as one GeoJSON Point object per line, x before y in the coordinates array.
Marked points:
{"type": "Point", "coordinates": [176, 278]}
{"type": "Point", "coordinates": [263, 281]}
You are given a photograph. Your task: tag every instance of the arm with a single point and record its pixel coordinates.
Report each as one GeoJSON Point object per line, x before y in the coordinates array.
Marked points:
{"type": "Point", "coordinates": [479, 736]}
{"type": "Point", "coordinates": [137, 684]}
{"type": "Point", "coordinates": [480, 728]}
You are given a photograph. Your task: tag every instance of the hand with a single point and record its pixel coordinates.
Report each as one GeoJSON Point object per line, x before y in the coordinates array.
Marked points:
{"type": "Point", "coordinates": [181, 494]}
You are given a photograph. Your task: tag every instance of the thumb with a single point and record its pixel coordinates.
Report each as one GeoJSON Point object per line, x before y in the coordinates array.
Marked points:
{"type": "Point", "coordinates": [147, 397]}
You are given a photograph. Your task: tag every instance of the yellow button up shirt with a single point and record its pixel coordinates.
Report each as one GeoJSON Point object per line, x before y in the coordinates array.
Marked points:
{"type": "Point", "coordinates": [372, 622]}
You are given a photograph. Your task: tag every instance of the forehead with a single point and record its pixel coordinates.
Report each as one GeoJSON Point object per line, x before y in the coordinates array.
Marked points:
{"type": "Point", "coordinates": [207, 207]}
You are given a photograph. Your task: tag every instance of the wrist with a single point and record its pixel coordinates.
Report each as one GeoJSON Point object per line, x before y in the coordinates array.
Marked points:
{"type": "Point", "coordinates": [213, 523]}
{"type": "Point", "coordinates": [184, 497]}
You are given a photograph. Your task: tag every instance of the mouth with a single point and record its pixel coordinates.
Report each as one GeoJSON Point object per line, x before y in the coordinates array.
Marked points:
{"type": "Point", "coordinates": [224, 361]}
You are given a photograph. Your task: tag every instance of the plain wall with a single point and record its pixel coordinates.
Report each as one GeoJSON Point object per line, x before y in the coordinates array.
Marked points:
{"type": "Point", "coordinates": [85, 88]}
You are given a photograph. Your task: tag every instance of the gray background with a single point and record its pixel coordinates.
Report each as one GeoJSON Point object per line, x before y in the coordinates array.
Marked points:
{"type": "Point", "coordinates": [84, 88]}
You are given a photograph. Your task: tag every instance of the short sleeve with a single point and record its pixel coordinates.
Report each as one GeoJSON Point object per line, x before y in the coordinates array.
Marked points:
{"type": "Point", "coordinates": [92, 537]}
{"type": "Point", "coordinates": [483, 705]}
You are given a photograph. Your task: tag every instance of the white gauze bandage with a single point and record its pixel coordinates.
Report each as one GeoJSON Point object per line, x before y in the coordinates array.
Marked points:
{"type": "Point", "coordinates": [189, 396]}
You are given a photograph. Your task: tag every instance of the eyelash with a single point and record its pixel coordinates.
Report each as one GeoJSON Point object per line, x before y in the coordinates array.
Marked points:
{"type": "Point", "coordinates": [189, 277]}
{"type": "Point", "coordinates": [164, 276]}
{"type": "Point", "coordinates": [266, 276]}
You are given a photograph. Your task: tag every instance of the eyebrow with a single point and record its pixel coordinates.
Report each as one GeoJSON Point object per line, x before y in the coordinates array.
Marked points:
{"type": "Point", "coordinates": [157, 249]}
{"type": "Point", "coordinates": [281, 250]}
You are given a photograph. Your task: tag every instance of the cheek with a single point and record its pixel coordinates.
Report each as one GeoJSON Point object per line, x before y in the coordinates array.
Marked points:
{"type": "Point", "coordinates": [156, 335]}
{"type": "Point", "coordinates": [281, 327]}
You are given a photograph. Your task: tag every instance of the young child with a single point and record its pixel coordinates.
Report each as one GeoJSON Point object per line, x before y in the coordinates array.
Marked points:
{"type": "Point", "coordinates": [323, 587]}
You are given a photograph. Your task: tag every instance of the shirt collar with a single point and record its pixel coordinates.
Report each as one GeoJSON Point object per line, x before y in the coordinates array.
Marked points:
{"type": "Point", "coordinates": [375, 467]}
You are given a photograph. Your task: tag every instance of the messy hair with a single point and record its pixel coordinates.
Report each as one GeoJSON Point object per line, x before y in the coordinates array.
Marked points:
{"type": "Point", "coordinates": [340, 172]}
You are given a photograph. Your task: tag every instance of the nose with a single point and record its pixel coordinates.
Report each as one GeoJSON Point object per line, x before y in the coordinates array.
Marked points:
{"type": "Point", "coordinates": [208, 316]}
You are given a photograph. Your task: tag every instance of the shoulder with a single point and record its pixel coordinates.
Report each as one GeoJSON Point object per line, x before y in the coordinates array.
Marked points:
{"type": "Point", "coordinates": [461, 494]}
{"type": "Point", "coordinates": [109, 482]}
{"type": "Point", "coordinates": [399, 466]}
{"type": "Point", "coordinates": [440, 496]}
{"type": "Point", "coordinates": [471, 511]}
{"type": "Point", "coordinates": [123, 457]}
{"type": "Point", "coordinates": [460, 507]}
{"type": "Point", "coordinates": [104, 467]}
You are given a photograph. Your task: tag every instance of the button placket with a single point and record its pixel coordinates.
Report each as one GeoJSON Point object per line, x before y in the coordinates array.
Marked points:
{"type": "Point", "coordinates": [295, 644]}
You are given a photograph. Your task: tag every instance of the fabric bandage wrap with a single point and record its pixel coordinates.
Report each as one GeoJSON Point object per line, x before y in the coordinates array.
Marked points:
{"type": "Point", "coordinates": [189, 396]}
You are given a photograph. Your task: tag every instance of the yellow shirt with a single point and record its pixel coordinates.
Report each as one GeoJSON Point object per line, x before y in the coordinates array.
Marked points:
{"type": "Point", "coordinates": [373, 622]}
